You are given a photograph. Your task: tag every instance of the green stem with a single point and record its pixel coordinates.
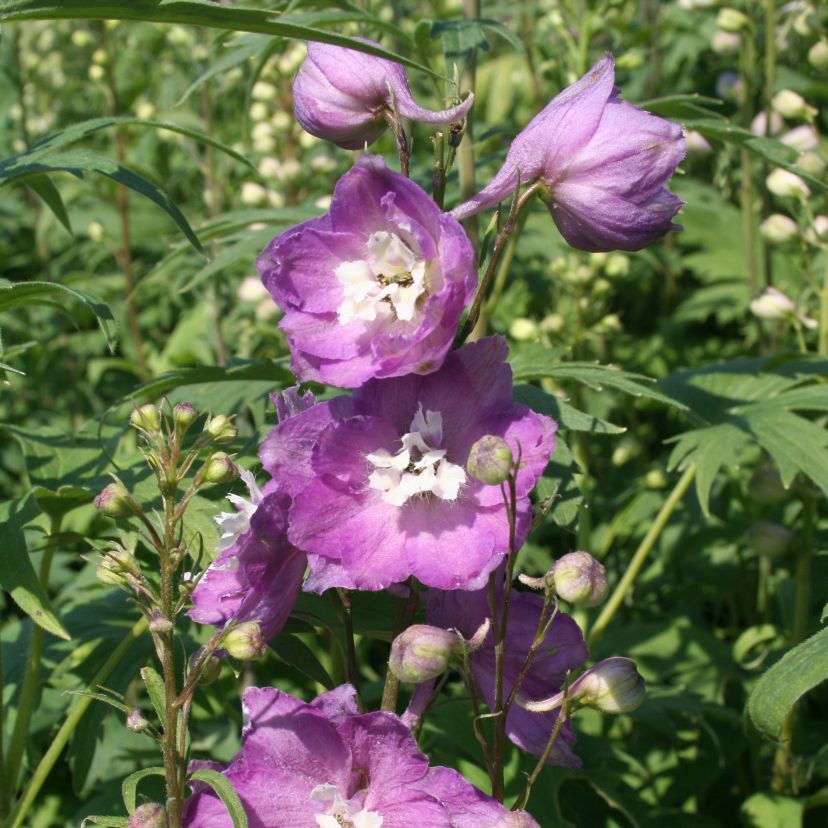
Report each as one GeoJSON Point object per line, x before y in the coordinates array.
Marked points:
{"type": "Point", "coordinates": [350, 646]}
{"type": "Point", "coordinates": [81, 705]}
{"type": "Point", "coordinates": [31, 680]}
{"type": "Point", "coordinates": [640, 556]}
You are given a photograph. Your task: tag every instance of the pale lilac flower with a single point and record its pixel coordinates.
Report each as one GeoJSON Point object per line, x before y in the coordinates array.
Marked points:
{"type": "Point", "coordinates": [378, 479]}
{"type": "Point", "coordinates": [374, 288]}
{"type": "Point", "coordinates": [324, 765]}
{"type": "Point", "coordinates": [563, 650]}
{"type": "Point", "coordinates": [344, 96]}
{"type": "Point", "coordinates": [603, 163]}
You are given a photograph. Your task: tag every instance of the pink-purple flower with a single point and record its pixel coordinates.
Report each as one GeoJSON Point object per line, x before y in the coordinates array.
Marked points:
{"type": "Point", "coordinates": [602, 164]}
{"type": "Point", "coordinates": [563, 650]}
{"type": "Point", "coordinates": [378, 480]}
{"type": "Point", "coordinates": [324, 765]}
{"type": "Point", "coordinates": [375, 287]}
{"type": "Point", "coordinates": [345, 96]}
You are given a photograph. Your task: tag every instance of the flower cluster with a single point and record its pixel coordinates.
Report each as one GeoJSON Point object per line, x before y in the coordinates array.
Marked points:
{"type": "Point", "coordinates": [424, 471]}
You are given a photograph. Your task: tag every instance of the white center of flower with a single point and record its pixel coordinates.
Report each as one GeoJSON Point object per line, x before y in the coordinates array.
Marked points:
{"type": "Point", "coordinates": [234, 524]}
{"type": "Point", "coordinates": [340, 814]}
{"type": "Point", "coordinates": [391, 278]}
{"type": "Point", "coordinates": [419, 467]}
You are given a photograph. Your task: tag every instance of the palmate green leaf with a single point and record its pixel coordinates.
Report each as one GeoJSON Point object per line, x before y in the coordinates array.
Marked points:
{"type": "Point", "coordinates": [558, 494]}
{"type": "Point", "coordinates": [768, 810]}
{"type": "Point", "coordinates": [777, 691]}
{"type": "Point", "coordinates": [129, 787]}
{"type": "Point", "coordinates": [225, 792]}
{"type": "Point", "coordinates": [566, 415]}
{"type": "Point", "coordinates": [203, 13]}
{"type": "Point", "coordinates": [21, 294]}
{"type": "Point", "coordinates": [77, 162]}
{"type": "Point", "coordinates": [17, 575]}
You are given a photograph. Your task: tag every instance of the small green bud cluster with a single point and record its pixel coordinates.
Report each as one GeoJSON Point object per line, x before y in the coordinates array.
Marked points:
{"type": "Point", "coordinates": [118, 567]}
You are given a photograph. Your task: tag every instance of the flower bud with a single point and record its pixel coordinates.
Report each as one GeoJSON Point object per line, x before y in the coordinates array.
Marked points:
{"type": "Point", "coordinates": [114, 501]}
{"type": "Point", "coordinates": [145, 418]}
{"type": "Point", "coordinates": [148, 815]}
{"type": "Point", "coordinates": [696, 142]}
{"type": "Point", "coordinates": [211, 670]}
{"type": "Point", "coordinates": [490, 460]}
{"type": "Point", "coordinates": [732, 20]}
{"type": "Point", "coordinates": [136, 722]}
{"type": "Point", "coordinates": [761, 125]}
{"type": "Point", "coordinates": [729, 86]}
{"type": "Point", "coordinates": [726, 43]}
{"type": "Point", "coordinates": [818, 55]}
{"type": "Point", "coordinates": [801, 138]}
{"type": "Point", "coordinates": [768, 539]}
{"type": "Point", "coordinates": [117, 566]}
{"type": "Point", "coordinates": [523, 330]}
{"type": "Point", "coordinates": [220, 468]}
{"type": "Point", "coordinates": [423, 652]}
{"type": "Point", "coordinates": [221, 429]}
{"type": "Point", "coordinates": [613, 685]}
{"type": "Point", "coordinates": [787, 185]}
{"type": "Point", "coordinates": [580, 579]}
{"type": "Point", "coordinates": [245, 641]}
{"type": "Point", "coordinates": [811, 163]}
{"type": "Point", "coordinates": [184, 415]}
{"type": "Point", "coordinates": [159, 623]}
{"type": "Point", "coordinates": [779, 229]}
{"type": "Point", "coordinates": [771, 303]}
{"type": "Point", "coordinates": [818, 231]}
{"type": "Point", "coordinates": [790, 104]}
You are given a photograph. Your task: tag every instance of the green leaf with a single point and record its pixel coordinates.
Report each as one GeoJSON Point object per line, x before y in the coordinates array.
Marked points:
{"type": "Point", "coordinates": [558, 493]}
{"type": "Point", "coordinates": [77, 162]}
{"type": "Point", "coordinates": [50, 196]}
{"type": "Point", "coordinates": [765, 810]}
{"type": "Point", "coordinates": [129, 787]}
{"type": "Point", "coordinates": [196, 13]}
{"type": "Point", "coordinates": [17, 575]}
{"type": "Point", "coordinates": [683, 106]}
{"type": "Point", "coordinates": [778, 690]}
{"type": "Point", "coordinates": [297, 654]}
{"type": "Point", "coordinates": [155, 689]}
{"type": "Point", "coordinates": [562, 412]}
{"type": "Point", "coordinates": [111, 821]}
{"type": "Point", "coordinates": [226, 793]}
{"type": "Point", "coordinates": [22, 294]}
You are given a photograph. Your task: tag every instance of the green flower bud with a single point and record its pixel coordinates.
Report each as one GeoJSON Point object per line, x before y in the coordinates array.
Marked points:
{"type": "Point", "coordinates": [423, 652]}
{"type": "Point", "coordinates": [790, 104]}
{"type": "Point", "coordinates": [726, 43]}
{"type": "Point", "coordinates": [818, 55]}
{"type": "Point", "coordinates": [490, 460]}
{"type": "Point", "coordinates": [779, 229]}
{"type": "Point", "coordinates": [136, 722]}
{"type": "Point", "coordinates": [117, 567]}
{"type": "Point", "coordinates": [787, 185]}
{"type": "Point", "coordinates": [768, 539]}
{"type": "Point", "coordinates": [220, 468]}
{"type": "Point", "coordinates": [812, 163]}
{"type": "Point", "coordinates": [245, 641]}
{"type": "Point", "coordinates": [580, 579]}
{"type": "Point", "coordinates": [114, 501]}
{"type": "Point", "coordinates": [221, 429]}
{"type": "Point", "coordinates": [732, 20]}
{"type": "Point", "coordinates": [613, 685]}
{"type": "Point", "coordinates": [149, 815]}
{"type": "Point", "coordinates": [145, 418]}
{"type": "Point", "coordinates": [211, 670]}
{"type": "Point", "coordinates": [184, 415]}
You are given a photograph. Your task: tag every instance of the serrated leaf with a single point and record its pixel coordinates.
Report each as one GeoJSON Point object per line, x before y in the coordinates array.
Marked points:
{"type": "Point", "coordinates": [225, 792]}
{"type": "Point", "coordinates": [129, 787]}
{"type": "Point", "coordinates": [562, 412]}
{"type": "Point", "coordinates": [17, 575]}
{"type": "Point", "coordinates": [778, 690]}
{"type": "Point", "coordinates": [20, 294]}
{"type": "Point", "coordinates": [558, 493]}
{"type": "Point", "coordinates": [196, 13]}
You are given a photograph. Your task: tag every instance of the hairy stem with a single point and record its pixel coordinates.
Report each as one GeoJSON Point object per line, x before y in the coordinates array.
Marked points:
{"type": "Point", "coordinates": [640, 556]}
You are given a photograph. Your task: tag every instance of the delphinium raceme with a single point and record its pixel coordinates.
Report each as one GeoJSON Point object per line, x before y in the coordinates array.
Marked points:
{"type": "Point", "coordinates": [418, 481]}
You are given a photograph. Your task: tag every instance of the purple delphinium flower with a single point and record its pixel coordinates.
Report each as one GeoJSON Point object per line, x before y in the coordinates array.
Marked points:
{"type": "Point", "coordinates": [344, 96]}
{"type": "Point", "coordinates": [378, 479]}
{"type": "Point", "coordinates": [602, 162]}
{"type": "Point", "coordinates": [563, 650]}
{"type": "Point", "coordinates": [323, 765]}
{"type": "Point", "coordinates": [375, 287]}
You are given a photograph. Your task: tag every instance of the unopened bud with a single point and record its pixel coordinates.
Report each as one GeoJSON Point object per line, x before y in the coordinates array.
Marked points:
{"type": "Point", "coordinates": [220, 468]}
{"type": "Point", "coordinates": [136, 722]}
{"type": "Point", "coordinates": [117, 567]}
{"type": "Point", "coordinates": [818, 231]}
{"type": "Point", "coordinates": [580, 579]}
{"type": "Point", "coordinates": [787, 185]}
{"type": "Point", "coordinates": [768, 539]}
{"type": "Point", "coordinates": [211, 670]}
{"type": "Point", "coordinates": [145, 418]}
{"type": "Point", "coordinates": [811, 163]}
{"type": "Point", "coordinates": [245, 641]}
{"type": "Point", "coordinates": [221, 429]}
{"type": "Point", "coordinates": [114, 501]}
{"type": "Point", "coordinates": [490, 460]}
{"type": "Point", "coordinates": [818, 55]}
{"type": "Point", "coordinates": [726, 43]}
{"type": "Point", "coordinates": [732, 20]}
{"type": "Point", "coordinates": [771, 303]}
{"type": "Point", "coordinates": [148, 815]}
{"type": "Point", "coordinates": [613, 685]}
{"type": "Point", "coordinates": [779, 229]}
{"type": "Point", "coordinates": [159, 623]}
{"type": "Point", "coordinates": [801, 138]}
{"type": "Point", "coordinates": [423, 652]}
{"type": "Point", "coordinates": [790, 104]}
{"type": "Point", "coordinates": [184, 415]}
